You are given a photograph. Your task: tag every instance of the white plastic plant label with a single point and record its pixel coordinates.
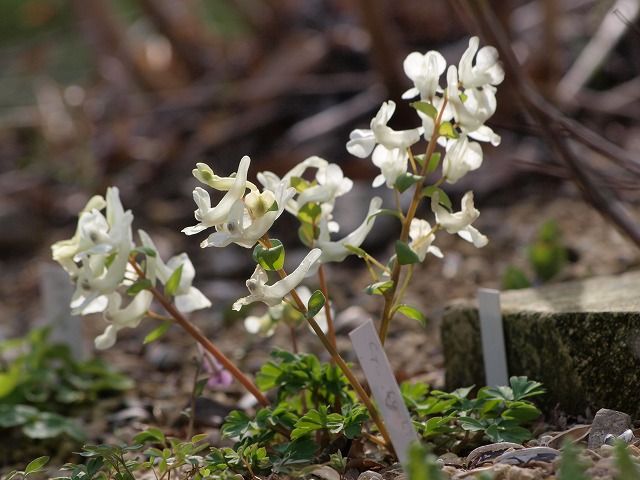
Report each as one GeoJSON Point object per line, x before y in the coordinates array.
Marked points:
{"type": "Point", "coordinates": [493, 349]}
{"type": "Point", "coordinates": [384, 387]}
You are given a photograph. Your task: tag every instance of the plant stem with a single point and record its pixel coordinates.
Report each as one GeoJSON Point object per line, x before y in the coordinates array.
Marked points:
{"type": "Point", "coordinates": [294, 339]}
{"type": "Point", "coordinates": [327, 307]}
{"type": "Point", "coordinates": [204, 341]}
{"type": "Point", "coordinates": [343, 366]}
{"type": "Point", "coordinates": [390, 295]}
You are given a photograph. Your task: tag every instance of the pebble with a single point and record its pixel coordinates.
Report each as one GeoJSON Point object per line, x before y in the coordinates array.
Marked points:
{"type": "Point", "coordinates": [370, 475]}
{"type": "Point", "coordinates": [607, 422]}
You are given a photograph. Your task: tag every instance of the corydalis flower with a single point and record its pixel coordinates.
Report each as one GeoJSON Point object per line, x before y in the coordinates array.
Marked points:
{"type": "Point", "coordinates": [461, 157]}
{"type": "Point", "coordinates": [249, 222]}
{"type": "Point", "coordinates": [459, 222]}
{"type": "Point", "coordinates": [272, 295]}
{"type": "Point", "coordinates": [392, 163]}
{"type": "Point", "coordinates": [486, 70]}
{"type": "Point", "coordinates": [422, 236]}
{"type": "Point", "coordinates": [210, 217]}
{"type": "Point", "coordinates": [96, 256]}
{"type": "Point", "coordinates": [237, 218]}
{"type": "Point", "coordinates": [425, 71]}
{"type": "Point", "coordinates": [187, 298]}
{"type": "Point", "coordinates": [336, 251]}
{"type": "Point", "coordinates": [121, 317]}
{"type": "Point", "coordinates": [362, 142]}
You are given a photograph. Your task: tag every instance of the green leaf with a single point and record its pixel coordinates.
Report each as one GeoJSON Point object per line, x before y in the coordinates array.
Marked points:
{"type": "Point", "coordinates": [422, 465]}
{"type": "Point", "coordinates": [312, 421]}
{"type": "Point", "coordinates": [405, 255]}
{"type": "Point", "coordinates": [521, 411]}
{"type": "Point", "coordinates": [48, 425]}
{"type": "Point", "coordinates": [307, 233]}
{"type": "Point", "coordinates": [300, 184]}
{"type": "Point", "coordinates": [406, 180]}
{"type": "Point", "coordinates": [426, 108]}
{"type": "Point", "coordinates": [443, 198]}
{"type": "Point", "coordinates": [315, 303]}
{"type": "Point", "coordinates": [378, 288]}
{"type": "Point", "coordinates": [627, 468]}
{"type": "Point", "coordinates": [470, 424]}
{"type": "Point", "coordinates": [9, 380]}
{"type": "Point", "coordinates": [271, 259]}
{"type": "Point", "coordinates": [154, 435]}
{"type": "Point", "coordinates": [173, 283]}
{"type": "Point", "coordinates": [139, 285]}
{"type": "Point", "coordinates": [514, 279]}
{"type": "Point", "coordinates": [36, 465]}
{"type": "Point", "coordinates": [507, 432]}
{"type": "Point", "coordinates": [447, 130]}
{"type": "Point", "coordinates": [434, 161]}
{"type": "Point", "coordinates": [412, 313]}
{"type": "Point", "coordinates": [157, 332]}
{"type": "Point", "coordinates": [356, 251]}
{"type": "Point", "coordinates": [523, 388]}
{"type": "Point", "coordinates": [386, 211]}
{"type": "Point", "coordinates": [14, 415]}
{"type": "Point", "coordinates": [148, 251]}
{"type": "Point", "coordinates": [309, 213]}
{"type": "Point", "coordinates": [571, 466]}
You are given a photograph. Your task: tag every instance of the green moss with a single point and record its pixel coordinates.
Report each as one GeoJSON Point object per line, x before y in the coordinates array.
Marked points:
{"type": "Point", "coordinates": [585, 360]}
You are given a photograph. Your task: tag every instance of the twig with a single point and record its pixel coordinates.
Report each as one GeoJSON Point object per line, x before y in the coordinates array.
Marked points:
{"type": "Point", "coordinates": [548, 119]}
{"type": "Point", "coordinates": [202, 340]}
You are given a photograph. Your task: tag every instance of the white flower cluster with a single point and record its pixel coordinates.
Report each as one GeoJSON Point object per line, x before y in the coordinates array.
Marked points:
{"type": "Point", "coordinates": [465, 104]}
{"type": "Point", "coordinates": [453, 117]}
{"type": "Point", "coordinates": [245, 213]}
{"type": "Point", "coordinates": [244, 218]}
{"type": "Point", "coordinates": [97, 260]}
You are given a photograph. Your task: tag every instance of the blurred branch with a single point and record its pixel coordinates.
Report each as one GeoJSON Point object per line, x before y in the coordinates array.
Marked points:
{"type": "Point", "coordinates": [385, 45]}
{"type": "Point", "coordinates": [186, 33]}
{"type": "Point", "coordinates": [549, 120]}
{"type": "Point", "coordinates": [105, 34]}
{"type": "Point", "coordinates": [595, 52]}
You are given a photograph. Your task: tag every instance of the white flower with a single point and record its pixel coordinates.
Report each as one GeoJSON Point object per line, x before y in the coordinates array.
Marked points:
{"type": "Point", "coordinates": [362, 142]}
{"type": "Point", "coordinates": [90, 220]}
{"type": "Point", "coordinates": [459, 222]}
{"type": "Point", "coordinates": [392, 163]}
{"type": "Point", "coordinates": [187, 298]}
{"type": "Point", "coordinates": [271, 181]}
{"type": "Point", "coordinates": [272, 295]}
{"type": "Point", "coordinates": [471, 108]}
{"type": "Point", "coordinates": [210, 217]}
{"type": "Point", "coordinates": [461, 157]}
{"type": "Point", "coordinates": [331, 184]}
{"type": "Point", "coordinates": [424, 71]}
{"type": "Point", "coordinates": [487, 69]}
{"type": "Point", "coordinates": [422, 235]}
{"type": "Point", "coordinates": [96, 256]}
{"type": "Point", "coordinates": [337, 251]}
{"type": "Point", "coordinates": [244, 229]}
{"type": "Point", "coordinates": [122, 317]}
{"type": "Point", "coordinates": [204, 174]}
{"type": "Point", "coordinates": [264, 325]}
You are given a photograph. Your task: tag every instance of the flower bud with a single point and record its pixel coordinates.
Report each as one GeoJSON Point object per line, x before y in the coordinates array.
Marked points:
{"type": "Point", "coordinates": [259, 203]}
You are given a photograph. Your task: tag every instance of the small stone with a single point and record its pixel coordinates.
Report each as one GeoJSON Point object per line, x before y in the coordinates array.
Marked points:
{"type": "Point", "coordinates": [370, 475]}
{"type": "Point", "coordinates": [607, 422]}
